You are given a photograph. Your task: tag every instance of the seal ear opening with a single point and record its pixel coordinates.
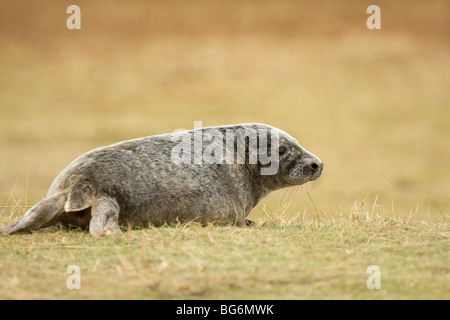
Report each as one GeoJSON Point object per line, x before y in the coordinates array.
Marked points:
{"type": "Point", "coordinates": [79, 198]}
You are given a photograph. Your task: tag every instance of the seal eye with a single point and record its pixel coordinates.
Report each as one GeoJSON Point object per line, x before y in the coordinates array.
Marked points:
{"type": "Point", "coordinates": [282, 150]}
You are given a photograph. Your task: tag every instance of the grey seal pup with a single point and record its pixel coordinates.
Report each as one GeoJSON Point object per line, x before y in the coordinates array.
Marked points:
{"type": "Point", "coordinates": [159, 180]}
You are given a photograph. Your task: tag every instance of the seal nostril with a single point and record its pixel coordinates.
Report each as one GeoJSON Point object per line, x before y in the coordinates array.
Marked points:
{"type": "Point", "coordinates": [315, 166]}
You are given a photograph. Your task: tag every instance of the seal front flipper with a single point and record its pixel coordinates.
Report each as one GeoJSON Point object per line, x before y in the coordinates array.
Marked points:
{"type": "Point", "coordinates": [41, 214]}
{"type": "Point", "coordinates": [249, 223]}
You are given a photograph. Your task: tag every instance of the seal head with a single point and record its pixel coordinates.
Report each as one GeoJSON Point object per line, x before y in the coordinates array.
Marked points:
{"type": "Point", "coordinates": [297, 165]}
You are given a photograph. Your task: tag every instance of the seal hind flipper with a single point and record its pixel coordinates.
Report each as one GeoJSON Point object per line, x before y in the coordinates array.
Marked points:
{"type": "Point", "coordinates": [105, 216]}
{"type": "Point", "coordinates": [80, 198]}
{"type": "Point", "coordinates": [39, 215]}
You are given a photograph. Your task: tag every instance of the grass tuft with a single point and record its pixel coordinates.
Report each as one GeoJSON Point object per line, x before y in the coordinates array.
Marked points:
{"type": "Point", "coordinates": [280, 257]}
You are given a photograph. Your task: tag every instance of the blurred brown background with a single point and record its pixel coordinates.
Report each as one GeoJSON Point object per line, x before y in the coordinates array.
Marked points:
{"type": "Point", "coordinates": [372, 104]}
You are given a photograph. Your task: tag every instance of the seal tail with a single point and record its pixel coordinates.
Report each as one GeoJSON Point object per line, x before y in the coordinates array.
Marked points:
{"type": "Point", "coordinates": [39, 215]}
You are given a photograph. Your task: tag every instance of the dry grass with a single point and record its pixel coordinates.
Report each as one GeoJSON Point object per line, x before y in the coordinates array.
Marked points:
{"type": "Point", "coordinates": [278, 258]}
{"type": "Point", "coordinates": [373, 105]}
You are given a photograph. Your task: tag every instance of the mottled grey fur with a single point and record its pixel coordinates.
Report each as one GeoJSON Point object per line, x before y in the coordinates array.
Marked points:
{"type": "Point", "coordinates": [135, 183]}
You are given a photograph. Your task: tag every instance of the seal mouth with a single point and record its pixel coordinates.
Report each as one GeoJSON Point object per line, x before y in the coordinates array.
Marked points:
{"type": "Point", "coordinates": [318, 173]}
{"type": "Point", "coordinates": [310, 173]}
